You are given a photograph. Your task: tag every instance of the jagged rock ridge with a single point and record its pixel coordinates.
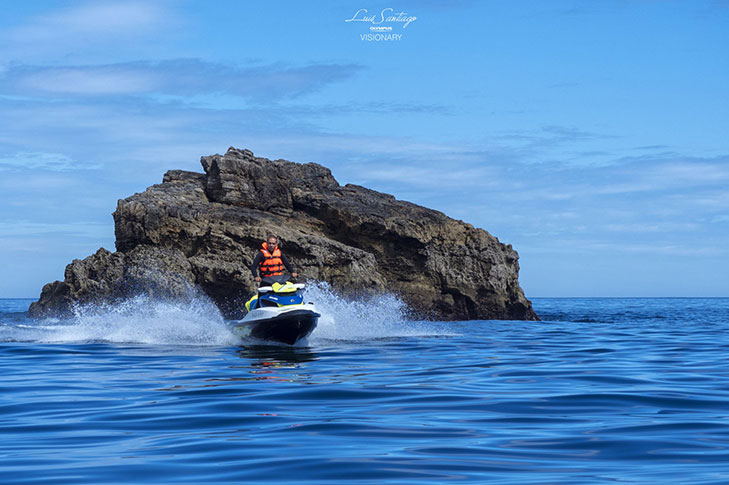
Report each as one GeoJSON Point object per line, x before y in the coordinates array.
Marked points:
{"type": "Point", "coordinates": [202, 230]}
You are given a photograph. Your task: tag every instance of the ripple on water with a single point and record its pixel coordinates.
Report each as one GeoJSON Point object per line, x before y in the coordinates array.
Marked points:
{"type": "Point", "coordinates": [636, 394]}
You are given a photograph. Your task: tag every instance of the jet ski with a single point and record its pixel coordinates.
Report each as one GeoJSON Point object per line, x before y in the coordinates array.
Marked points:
{"type": "Point", "coordinates": [278, 312]}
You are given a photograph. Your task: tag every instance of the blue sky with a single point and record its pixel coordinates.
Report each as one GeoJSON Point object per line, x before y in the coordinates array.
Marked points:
{"type": "Point", "coordinates": [592, 136]}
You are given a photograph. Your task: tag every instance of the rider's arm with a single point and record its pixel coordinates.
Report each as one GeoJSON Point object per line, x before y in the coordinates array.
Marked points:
{"type": "Point", "coordinates": [256, 262]}
{"type": "Point", "coordinates": [286, 263]}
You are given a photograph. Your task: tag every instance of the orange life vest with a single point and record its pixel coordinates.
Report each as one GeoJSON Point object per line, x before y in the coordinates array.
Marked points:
{"type": "Point", "coordinates": [272, 265]}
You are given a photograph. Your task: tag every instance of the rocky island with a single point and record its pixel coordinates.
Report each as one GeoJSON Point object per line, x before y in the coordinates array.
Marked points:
{"type": "Point", "coordinates": [201, 230]}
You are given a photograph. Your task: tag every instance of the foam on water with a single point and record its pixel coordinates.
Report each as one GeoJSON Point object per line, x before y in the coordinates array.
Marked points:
{"type": "Point", "coordinates": [380, 316]}
{"type": "Point", "coordinates": [197, 321]}
{"type": "Point", "coordinates": [141, 319]}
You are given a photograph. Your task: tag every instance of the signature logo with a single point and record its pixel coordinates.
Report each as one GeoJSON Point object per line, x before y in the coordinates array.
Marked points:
{"type": "Point", "coordinates": [385, 16]}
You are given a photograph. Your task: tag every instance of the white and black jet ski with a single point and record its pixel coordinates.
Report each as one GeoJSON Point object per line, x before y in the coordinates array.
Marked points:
{"type": "Point", "coordinates": [278, 312]}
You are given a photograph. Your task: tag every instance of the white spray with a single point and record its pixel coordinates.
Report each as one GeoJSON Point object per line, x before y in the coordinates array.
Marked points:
{"type": "Point", "coordinates": [197, 321]}
{"type": "Point", "coordinates": [140, 319]}
{"type": "Point", "coordinates": [380, 316]}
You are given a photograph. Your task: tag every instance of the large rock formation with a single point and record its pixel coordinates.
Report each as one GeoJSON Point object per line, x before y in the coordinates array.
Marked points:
{"type": "Point", "coordinates": [202, 230]}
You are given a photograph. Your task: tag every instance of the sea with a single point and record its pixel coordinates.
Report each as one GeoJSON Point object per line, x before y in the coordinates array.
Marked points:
{"type": "Point", "coordinates": [602, 390]}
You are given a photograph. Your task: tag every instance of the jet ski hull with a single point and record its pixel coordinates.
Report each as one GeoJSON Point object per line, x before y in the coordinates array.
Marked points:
{"type": "Point", "coordinates": [287, 326]}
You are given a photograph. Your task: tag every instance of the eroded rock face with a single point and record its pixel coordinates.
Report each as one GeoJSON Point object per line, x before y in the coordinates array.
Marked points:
{"type": "Point", "coordinates": [103, 276]}
{"type": "Point", "coordinates": [202, 230]}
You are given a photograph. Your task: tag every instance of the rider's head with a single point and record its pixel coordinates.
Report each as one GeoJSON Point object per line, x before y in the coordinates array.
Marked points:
{"type": "Point", "coordinates": [272, 243]}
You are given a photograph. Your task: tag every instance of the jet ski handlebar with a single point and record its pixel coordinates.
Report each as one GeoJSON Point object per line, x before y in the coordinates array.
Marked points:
{"type": "Point", "coordinates": [266, 289]}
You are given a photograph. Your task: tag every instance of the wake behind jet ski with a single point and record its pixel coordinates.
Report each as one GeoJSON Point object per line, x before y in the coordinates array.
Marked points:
{"type": "Point", "coordinates": [278, 312]}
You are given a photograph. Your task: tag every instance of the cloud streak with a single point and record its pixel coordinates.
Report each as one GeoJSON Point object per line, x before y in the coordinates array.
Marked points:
{"type": "Point", "coordinates": [102, 18]}
{"type": "Point", "coordinates": [178, 77]}
{"type": "Point", "coordinates": [53, 162]}
{"type": "Point", "coordinates": [90, 230]}
{"type": "Point", "coordinates": [85, 27]}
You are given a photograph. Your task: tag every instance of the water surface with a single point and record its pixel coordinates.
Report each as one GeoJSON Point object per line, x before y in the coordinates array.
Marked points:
{"type": "Point", "coordinates": [602, 391]}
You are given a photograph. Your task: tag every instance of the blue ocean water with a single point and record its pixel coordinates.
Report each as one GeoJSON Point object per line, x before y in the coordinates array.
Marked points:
{"type": "Point", "coordinates": [603, 390]}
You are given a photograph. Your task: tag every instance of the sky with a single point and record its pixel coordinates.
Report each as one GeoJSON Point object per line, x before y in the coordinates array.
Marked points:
{"type": "Point", "coordinates": [590, 135]}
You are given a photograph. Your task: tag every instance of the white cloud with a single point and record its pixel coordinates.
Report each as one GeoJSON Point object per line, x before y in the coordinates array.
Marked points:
{"type": "Point", "coordinates": [90, 230]}
{"type": "Point", "coordinates": [429, 176]}
{"type": "Point", "coordinates": [89, 81]}
{"type": "Point", "coordinates": [90, 21]}
{"type": "Point", "coordinates": [650, 227]}
{"type": "Point", "coordinates": [695, 172]}
{"type": "Point", "coordinates": [571, 246]}
{"type": "Point", "coordinates": [54, 162]}
{"type": "Point", "coordinates": [711, 200]}
{"type": "Point", "coordinates": [90, 30]}
{"type": "Point", "coordinates": [175, 77]}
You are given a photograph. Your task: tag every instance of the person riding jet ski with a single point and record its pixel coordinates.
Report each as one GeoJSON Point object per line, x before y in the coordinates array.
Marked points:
{"type": "Point", "coordinates": [270, 262]}
{"type": "Point", "coordinates": [277, 311]}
